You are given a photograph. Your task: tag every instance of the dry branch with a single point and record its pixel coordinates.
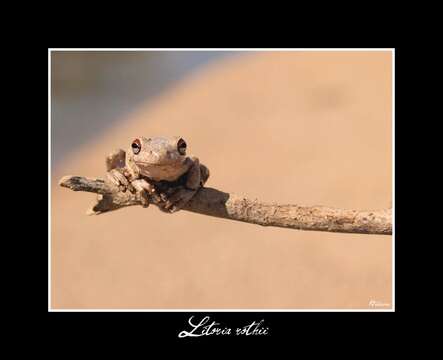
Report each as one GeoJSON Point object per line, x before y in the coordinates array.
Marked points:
{"type": "Point", "coordinates": [216, 203]}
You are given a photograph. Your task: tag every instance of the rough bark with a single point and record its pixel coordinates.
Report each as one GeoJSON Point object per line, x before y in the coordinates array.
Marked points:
{"type": "Point", "coordinates": [212, 202]}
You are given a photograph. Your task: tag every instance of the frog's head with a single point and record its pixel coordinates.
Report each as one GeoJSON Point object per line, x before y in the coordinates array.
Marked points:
{"type": "Point", "coordinates": [161, 158]}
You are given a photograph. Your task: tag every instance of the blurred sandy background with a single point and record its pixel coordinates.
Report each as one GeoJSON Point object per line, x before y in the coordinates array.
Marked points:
{"type": "Point", "coordinates": [292, 127]}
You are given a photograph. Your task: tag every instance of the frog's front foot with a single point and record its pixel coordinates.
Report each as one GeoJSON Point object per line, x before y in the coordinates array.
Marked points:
{"type": "Point", "coordinates": [146, 192]}
{"type": "Point", "coordinates": [174, 199]}
{"type": "Point", "coordinates": [118, 178]}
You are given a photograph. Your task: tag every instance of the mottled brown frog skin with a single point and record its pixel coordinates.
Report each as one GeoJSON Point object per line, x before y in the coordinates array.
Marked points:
{"type": "Point", "coordinates": [158, 167]}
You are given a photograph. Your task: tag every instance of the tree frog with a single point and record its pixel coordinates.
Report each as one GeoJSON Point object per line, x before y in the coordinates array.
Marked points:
{"type": "Point", "coordinates": [157, 167]}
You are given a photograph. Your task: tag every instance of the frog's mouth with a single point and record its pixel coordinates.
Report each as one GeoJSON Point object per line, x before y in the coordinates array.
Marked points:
{"type": "Point", "coordinates": [144, 163]}
{"type": "Point", "coordinates": [148, 164]}
{"type": "Point", "coordinates": [167, 171]}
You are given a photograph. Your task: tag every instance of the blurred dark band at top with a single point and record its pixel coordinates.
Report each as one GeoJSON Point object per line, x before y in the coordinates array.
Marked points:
{"type": "Point", "coordinates": [91, 90]}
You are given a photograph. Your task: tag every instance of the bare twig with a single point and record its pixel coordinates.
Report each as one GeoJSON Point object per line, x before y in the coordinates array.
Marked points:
{"type": "Point", "coordinates": [216, 203]}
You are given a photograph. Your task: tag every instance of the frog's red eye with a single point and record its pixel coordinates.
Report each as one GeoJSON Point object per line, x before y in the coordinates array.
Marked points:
{"type": "Point", "coordinates": [181, 146]}
{"type": "Point", "coordinates": [136, 146]}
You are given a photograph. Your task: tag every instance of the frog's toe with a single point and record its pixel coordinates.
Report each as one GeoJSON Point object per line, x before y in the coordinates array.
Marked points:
{"type": "Point", "coordinates": [144, 198]}
{"type": "Point", "coordinates": [116, 178]}
{"type": "Point", "coordinates": [144, 190]}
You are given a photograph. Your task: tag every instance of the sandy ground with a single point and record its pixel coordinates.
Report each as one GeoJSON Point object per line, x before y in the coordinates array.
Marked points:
{"type": "Point", "coordinates": [307, 127]}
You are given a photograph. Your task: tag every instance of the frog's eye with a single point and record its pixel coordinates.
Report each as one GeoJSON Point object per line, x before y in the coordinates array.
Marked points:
{"type": "Point", "coordinates": [181, 146]}
{"type": "Point", "coordinates": [136, 146]}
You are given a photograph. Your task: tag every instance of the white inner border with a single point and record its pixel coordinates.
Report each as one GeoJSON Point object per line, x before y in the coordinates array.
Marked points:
{"type": "Point", "coordinates": [392, 309]}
